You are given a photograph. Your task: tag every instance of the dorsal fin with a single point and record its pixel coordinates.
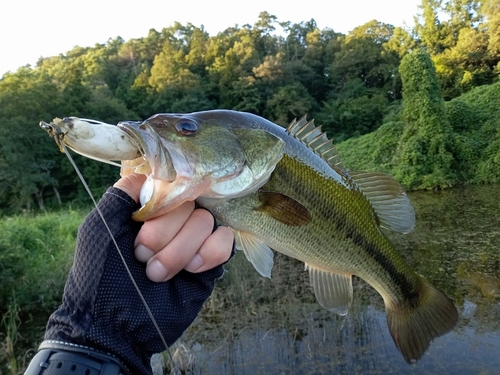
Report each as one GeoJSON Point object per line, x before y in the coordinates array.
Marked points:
{"type": "Point", "coordinates": [317, 140]}
{"type": "Point", "coordinates": [389, 201]}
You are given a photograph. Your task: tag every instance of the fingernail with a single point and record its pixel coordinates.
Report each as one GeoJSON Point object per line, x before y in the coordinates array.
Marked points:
{"type": "Point", "coordinates": [156, 271]}
{"type": "Point", "coordinates": [143, 254]}
{"type": "Point", "coordinates": [195, 263]}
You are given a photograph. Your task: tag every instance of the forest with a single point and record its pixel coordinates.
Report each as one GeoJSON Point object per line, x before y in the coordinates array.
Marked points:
{"type": "Point", "coordinates": [421, 103]}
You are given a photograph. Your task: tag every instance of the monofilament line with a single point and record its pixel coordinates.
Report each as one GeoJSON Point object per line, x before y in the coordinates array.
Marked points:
{"type": "Point", "coordinates": [118, 249]}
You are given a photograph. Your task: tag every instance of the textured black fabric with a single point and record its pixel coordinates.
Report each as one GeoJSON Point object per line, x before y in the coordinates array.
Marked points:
{"type": "Point", "coordinates": [64, 360]}
{"type": "Point", "coordinates": [101, 308]}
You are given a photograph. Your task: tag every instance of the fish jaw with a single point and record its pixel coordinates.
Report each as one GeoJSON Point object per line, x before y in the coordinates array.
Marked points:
{"type": "Point", "coordinates": [170, 178]}
{"type": "Point", "coordinates": [158, 157]}
{"type": "Point", "coordinates": [159, 197]}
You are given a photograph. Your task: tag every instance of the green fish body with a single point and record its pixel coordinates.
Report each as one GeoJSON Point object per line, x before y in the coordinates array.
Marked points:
{"type": "Point", "coordinates": [313, 210]}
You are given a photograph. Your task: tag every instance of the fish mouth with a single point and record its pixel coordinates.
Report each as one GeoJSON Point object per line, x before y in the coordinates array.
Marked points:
{"type": "Point", "coordinates": [168, 175]}
{"type": "Point", "coordinates": [152, 150]}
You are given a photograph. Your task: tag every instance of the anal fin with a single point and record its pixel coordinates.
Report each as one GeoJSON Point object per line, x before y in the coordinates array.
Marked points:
{"type": "Point", "coordinates": [333, 291]}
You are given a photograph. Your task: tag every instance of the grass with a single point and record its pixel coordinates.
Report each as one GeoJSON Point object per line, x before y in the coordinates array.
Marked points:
{"type": "Point", "coordinates": [36, 252]}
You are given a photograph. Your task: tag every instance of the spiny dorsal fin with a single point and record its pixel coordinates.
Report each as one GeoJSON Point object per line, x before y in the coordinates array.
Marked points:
{"type": "Point", "coordinates": [333, 291]}
{"type": "Point", "coordinates": [317, 140]}
{"type": "Point", "coordinates": [257, 252]}
{"type": "Point", "coordinates": [390, 202]}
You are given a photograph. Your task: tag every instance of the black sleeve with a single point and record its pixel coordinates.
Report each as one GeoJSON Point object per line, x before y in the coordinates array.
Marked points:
{"type": "Point", "coordinates": [101, 308]}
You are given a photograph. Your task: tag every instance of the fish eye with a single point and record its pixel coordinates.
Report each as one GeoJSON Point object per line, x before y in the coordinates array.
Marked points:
{"type": "Point", "coordinates": [186, 127]}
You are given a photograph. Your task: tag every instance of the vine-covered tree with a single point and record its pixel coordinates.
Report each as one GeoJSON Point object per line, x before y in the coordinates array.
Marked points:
{"type": "Point", "coordinates": [424, 158]}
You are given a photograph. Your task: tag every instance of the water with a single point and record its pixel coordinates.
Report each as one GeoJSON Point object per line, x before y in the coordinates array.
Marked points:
{"type": "Point", "coordinates": [258, 326]}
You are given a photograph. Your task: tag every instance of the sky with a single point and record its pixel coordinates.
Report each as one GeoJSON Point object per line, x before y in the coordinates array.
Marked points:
{"type": "Point", "coordinates": [31, 29]}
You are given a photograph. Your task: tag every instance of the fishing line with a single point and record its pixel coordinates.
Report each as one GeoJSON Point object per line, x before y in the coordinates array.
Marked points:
{"type": "Point", "coordinates": [119, 251]}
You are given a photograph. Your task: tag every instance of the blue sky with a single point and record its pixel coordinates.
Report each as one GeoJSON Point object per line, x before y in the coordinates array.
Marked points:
{"type": "Point", "coordinates": [30, 29]}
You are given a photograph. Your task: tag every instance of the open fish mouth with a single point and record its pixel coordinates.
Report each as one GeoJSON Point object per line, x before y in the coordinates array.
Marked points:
{"type": "Point", "coordinates": [155, 162]}
{"type": "Point", "coordinates": [158, 158]}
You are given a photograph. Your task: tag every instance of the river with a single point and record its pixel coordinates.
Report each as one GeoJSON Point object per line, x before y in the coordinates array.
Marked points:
{"type": "Point", "coordinates": [253, 325]}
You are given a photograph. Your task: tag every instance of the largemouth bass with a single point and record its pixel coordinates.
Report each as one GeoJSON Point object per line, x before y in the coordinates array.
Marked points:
{"type": "Point", "coordinates": [284, 190]}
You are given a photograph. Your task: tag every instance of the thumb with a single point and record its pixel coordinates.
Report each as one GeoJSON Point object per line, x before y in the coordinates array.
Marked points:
{"type": "Point", "coordinates": [131, 184]}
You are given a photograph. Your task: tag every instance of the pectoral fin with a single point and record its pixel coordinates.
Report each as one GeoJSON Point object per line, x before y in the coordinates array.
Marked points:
{"type": "Point", "coordinates": [283, 208]}
{"type": "Point", "coordinates": [333, 291]}
{"type": "Point", "coordinates": [257, 253]}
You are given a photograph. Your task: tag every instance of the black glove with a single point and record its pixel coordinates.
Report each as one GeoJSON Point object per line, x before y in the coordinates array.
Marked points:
{"type": "Point", "coordinates": [101, 308]}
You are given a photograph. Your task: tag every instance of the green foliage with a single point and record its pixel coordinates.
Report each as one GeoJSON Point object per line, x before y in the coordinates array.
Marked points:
{"type": "Point", "coordinates": [480, 140]}
{"type": "Point", "coordinates": [289, 102]}
{"type": "Point", "coordinates": [373, 151]}
{"type": "Point", "coordinates": [364, 79]}
{"type": "Point", "coordinates": [35, 255]}
{"type": "Point", "coordinates": [463, 43]}
{"type": "Point", "coordinates": [423, 158]}
{"type": "Point", "coordinates": [473, 142]}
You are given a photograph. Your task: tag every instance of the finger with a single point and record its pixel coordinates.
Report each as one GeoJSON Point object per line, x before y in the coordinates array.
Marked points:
{"type": "Point", "coordinates": [215, 250]}
{"type": "Point", "coordinates": [177, 253]}
{"type": "Point", "coordinates": [155, 234]}
{"type": "Point", "coordinates": [131, 184]}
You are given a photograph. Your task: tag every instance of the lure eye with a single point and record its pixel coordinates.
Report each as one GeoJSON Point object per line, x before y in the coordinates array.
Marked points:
{"type": "Point", "coordinates": [186, 127]}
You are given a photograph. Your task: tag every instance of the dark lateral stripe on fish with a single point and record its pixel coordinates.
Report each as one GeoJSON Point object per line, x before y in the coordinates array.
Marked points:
{"type": "Point", "coordinates": [399, 279]}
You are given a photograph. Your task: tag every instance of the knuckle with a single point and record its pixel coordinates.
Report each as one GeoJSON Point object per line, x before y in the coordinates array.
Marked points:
{"type": "Point", "coordinates": [204, 215]}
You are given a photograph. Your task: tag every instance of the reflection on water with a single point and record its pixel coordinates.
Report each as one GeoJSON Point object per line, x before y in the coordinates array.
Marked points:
{"type": "Point", "coordinates": [259, 326]}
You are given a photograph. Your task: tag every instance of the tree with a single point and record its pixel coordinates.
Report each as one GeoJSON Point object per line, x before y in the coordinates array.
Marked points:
{"type": "Point", "coordinates": [289, 102]}
{"type": "Point", "coordinates": [491, 12]}
{"type": "Point", "coordinates": [424, 156]}
{"type": "Point", "coordinates": [428, 27]}
{"type": "Point", "coordinates": [26, 160]}
{"type": "Point", "coordinates": [364, 80]}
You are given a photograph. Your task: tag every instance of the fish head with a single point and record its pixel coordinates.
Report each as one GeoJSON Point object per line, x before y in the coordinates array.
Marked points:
{"type": "Point", "coordinates": [186, 156]}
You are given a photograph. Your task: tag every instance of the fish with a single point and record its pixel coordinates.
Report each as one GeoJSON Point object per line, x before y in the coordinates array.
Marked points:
{"type": "Point", "coordinates": [284, 190]}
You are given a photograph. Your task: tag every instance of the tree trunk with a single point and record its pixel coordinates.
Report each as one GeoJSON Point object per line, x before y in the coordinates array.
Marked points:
{"type": "Point", "coordinates": [39, 198]}
{"type": "Point", "coordinates": [58, 196]}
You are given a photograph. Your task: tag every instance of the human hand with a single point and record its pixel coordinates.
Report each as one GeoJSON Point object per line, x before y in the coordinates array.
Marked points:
{"type": "Point", "coordinates": [180, 239]}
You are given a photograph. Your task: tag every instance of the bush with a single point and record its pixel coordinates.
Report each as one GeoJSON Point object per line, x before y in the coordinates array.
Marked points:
{"type": "Point", "coordinates": [36, 253]}
{"type": "Point", "coordinates": [373, 151]}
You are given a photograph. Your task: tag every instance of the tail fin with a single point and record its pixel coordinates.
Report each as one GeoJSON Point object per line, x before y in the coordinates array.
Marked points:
{"type": "Point", "coordinates": [413, 328]}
